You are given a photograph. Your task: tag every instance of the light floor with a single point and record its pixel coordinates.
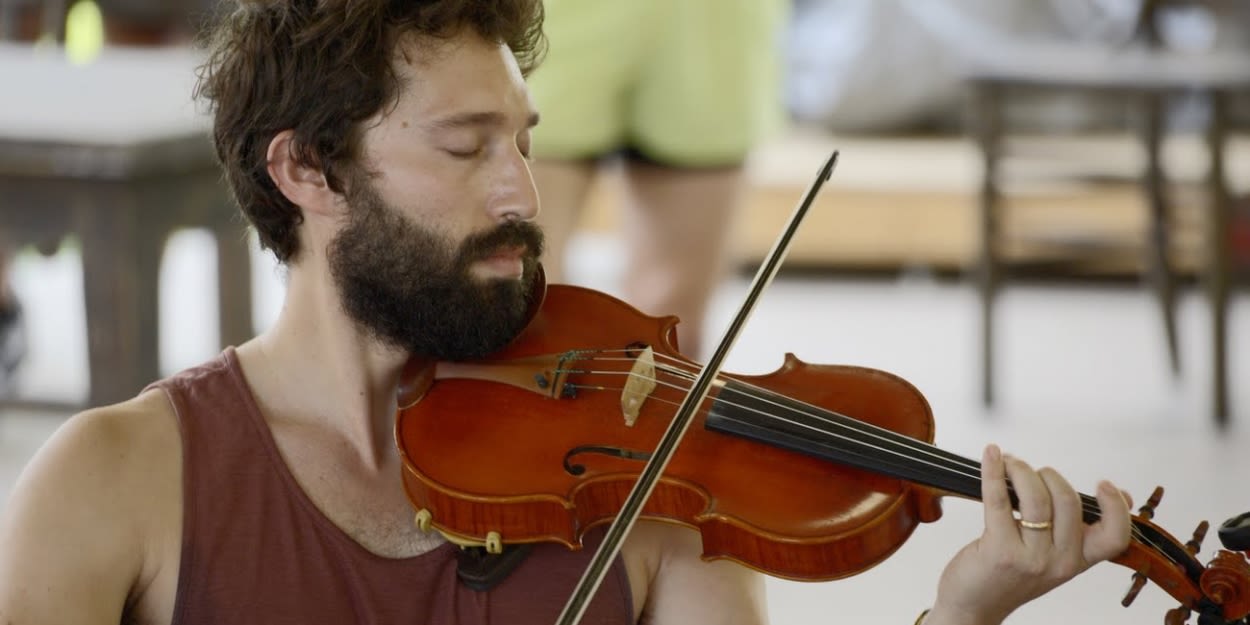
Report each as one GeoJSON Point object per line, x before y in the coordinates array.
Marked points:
{"type": "Point", "coordinates": [1084, 387]}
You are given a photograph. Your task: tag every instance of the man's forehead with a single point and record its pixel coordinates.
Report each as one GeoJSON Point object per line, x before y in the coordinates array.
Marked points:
{"type": "Point", "coordinates": [461, 79]}
{"type": "Point", "coordinates": [420, 54]}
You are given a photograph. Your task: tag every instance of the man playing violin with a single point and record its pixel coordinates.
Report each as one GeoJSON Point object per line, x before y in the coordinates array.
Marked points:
{"type": "Point", "coordinates": [380, 149]}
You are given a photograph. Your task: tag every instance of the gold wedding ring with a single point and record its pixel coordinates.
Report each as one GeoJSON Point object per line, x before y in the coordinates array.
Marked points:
{"type": "Point", "coordinates": [1034, 525]}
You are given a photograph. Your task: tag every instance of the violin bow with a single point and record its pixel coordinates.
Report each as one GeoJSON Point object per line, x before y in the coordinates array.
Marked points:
{"type": "Point", "coordinates": [632, 507]}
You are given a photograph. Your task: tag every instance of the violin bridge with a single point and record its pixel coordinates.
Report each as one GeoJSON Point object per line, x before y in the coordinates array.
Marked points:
{"type": "Point", "coordinates": [639, 386]}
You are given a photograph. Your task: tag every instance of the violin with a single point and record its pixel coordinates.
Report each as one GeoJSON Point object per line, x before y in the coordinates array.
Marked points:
{"type": "Point", "coordinates": [812, 472]}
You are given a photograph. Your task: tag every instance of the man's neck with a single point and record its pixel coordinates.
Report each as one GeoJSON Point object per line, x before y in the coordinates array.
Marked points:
{"type": "Point", "coordinates": [315, 367]}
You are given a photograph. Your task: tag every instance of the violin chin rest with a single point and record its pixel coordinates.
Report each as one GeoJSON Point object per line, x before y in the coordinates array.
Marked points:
{"type": "Point", "coordinates": [482, 571]}
{"type": "Point", "coordinates": [1235, 533]}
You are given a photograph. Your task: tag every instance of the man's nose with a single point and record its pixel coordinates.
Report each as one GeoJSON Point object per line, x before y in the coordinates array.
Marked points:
{"type": "Point", "coordinates": [517, 196]}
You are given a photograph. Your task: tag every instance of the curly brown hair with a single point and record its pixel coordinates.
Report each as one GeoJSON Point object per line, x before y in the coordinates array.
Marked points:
{"type": "Point", "coordinates": [320, 68]}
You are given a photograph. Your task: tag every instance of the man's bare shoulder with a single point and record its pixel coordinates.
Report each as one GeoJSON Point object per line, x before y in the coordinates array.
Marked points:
{"type": "Point", "coordinates": [89, 520]}
{"type": "Point", "coordinates": [128, 444]}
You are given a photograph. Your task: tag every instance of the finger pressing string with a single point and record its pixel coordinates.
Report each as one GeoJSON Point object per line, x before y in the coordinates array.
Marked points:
{"type": "Point", "coordinates": [997, 503]}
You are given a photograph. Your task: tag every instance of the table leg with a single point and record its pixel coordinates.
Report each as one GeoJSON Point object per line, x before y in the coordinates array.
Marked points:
{"type": "Point", "coordinates": [120, 270]}
{"type": "Point", "coordinates": [234, 282]}
{"type": "Point", "coordinates": [1153, 186]}
{"type": "Point", "coordinates": [988, 124]}
{"type": "Point", "coordinates": [1217, 257]}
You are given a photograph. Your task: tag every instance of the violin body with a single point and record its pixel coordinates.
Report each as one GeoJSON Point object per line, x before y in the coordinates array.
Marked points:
{"type": "Point", "coordinates": [546, 438]}
{"type": "Point", "coordinates": [562, 460]}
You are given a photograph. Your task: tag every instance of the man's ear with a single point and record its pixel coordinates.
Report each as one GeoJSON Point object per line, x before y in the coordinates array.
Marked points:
{"type": "Point", "coordinates": [304, 185]}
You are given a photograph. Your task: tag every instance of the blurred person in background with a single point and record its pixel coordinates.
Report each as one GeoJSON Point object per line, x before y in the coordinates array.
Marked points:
{"type": "Point", "coordinates": [679, 91]}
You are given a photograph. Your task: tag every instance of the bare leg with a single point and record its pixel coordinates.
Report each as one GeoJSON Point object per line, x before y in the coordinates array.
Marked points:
{"type": "Point", "coordinates": [562, 188]}
{"type": "Point", "coordinates": [678, 231]}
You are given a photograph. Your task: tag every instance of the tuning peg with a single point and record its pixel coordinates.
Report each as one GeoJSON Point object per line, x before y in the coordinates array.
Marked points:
{"type": "Point", "coordinates": [1200, 533]}
{"type": "Point", "coordinates": [1147, 511]}
{"type": "Point", "coordinates": [1176, 616]}
{"type": "Point", "coordinates": [1139, 582]}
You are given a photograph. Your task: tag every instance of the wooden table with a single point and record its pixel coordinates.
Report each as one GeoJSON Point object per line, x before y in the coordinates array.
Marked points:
{"type": "Point", "coordinates": [116, 154]}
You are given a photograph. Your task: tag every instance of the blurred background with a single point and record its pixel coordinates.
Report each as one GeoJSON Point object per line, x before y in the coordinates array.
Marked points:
{"type": "Point", "coordinates": [1040, 217]}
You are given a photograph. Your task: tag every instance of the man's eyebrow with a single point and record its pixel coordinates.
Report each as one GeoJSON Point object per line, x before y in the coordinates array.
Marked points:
{"type": "Point", "coordinates": [477, 118]}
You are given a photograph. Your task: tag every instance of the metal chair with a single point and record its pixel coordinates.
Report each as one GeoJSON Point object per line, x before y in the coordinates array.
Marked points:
{"type": "Point", "coordinates": [1144, 75]}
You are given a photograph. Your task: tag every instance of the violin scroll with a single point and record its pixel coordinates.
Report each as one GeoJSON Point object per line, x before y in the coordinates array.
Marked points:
{"type": "Point", "coordinates": [1227, 578]}
{"type": "Point", "coordinates": [1218, 592]}
{"type": "Point", "coordinates": [1227, 583]}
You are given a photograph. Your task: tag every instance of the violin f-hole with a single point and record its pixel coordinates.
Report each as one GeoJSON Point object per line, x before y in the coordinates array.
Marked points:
{"type": "Point", "coordinates": [605, 450]}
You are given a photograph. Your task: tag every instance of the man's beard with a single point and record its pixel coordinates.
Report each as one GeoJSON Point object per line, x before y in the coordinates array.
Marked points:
{"type": "Point", "coordinates": [411, 288]}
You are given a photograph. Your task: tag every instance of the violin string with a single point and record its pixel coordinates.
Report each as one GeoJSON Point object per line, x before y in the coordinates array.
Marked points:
{"type": "Point", "coordinates": [1093, 510]}
{"type": "Point", "coordinates": [892, 437]}
{"type": "Point", "coordinates": [853, 424]}
{"type": "Point", "coordinates": [972, 472]}
{"type": "Point", "coordinates": [1089, 504]}
{"type": "Point", "coordinates": [677, 368]}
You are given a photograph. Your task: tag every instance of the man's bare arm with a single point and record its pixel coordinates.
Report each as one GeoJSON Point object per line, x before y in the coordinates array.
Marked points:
{"type": "Point", "coordinates": [686, 589]}
{"type": "Point", "coordinates": [72, 543]}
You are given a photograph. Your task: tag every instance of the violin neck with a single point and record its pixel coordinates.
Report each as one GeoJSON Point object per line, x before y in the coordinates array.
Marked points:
{"type": "Point", "coordinates": [790, 424]}
{"type": "Point", "coordinates": [814, 431]}
{"type": "Point", "coordinates": [774, 419]}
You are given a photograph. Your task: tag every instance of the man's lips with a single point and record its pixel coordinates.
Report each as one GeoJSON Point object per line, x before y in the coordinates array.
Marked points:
{"type": "Point", "coordinates": [506, 262]}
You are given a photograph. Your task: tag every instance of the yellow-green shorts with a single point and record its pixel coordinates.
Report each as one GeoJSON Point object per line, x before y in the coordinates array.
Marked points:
{"type": "Point", "coordinates": [686, 83]}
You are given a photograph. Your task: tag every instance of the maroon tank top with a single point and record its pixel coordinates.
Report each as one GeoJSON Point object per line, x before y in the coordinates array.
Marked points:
{"type": "Point", "coordinates": [255, 549]}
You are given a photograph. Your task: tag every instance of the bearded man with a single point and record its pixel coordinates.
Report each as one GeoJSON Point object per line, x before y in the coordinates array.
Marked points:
{"type": "Point", "coordinates": [379, 148]}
